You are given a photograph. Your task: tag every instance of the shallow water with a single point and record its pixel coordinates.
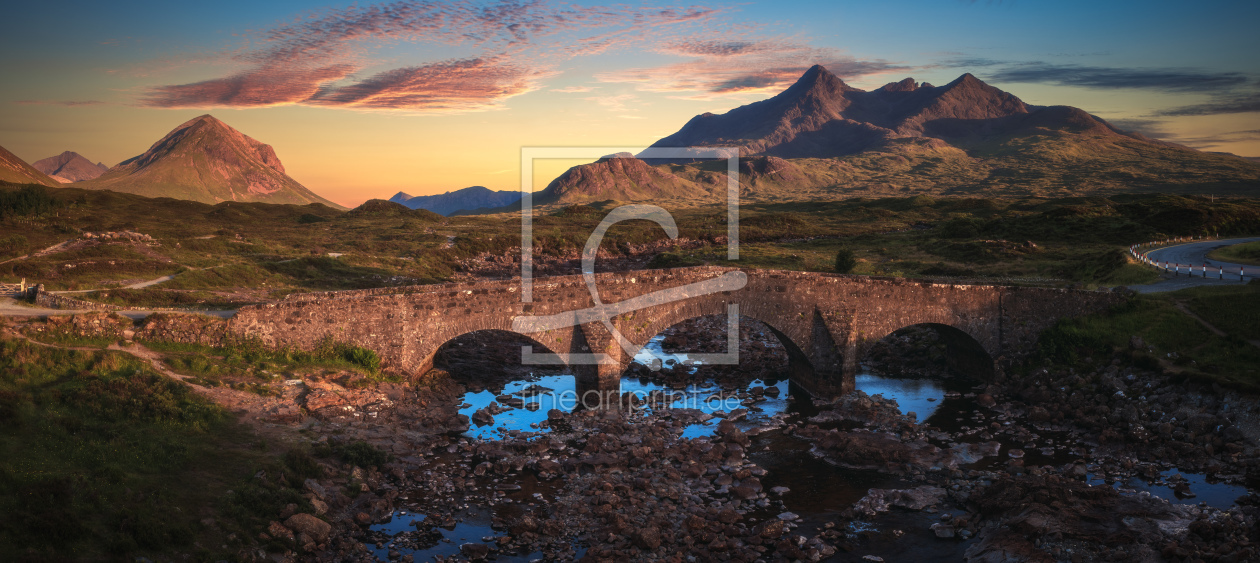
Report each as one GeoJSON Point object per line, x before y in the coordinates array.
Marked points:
{"type": "Point", "coordinates": [713, 398]}
{"type": "Point", "coordinates": [561, 394]}
{"type": "Point", "coordinates": [475, 528]}
{"type": "Point", "coordinates": [1216, 495]}
{"type": "Point", "coordinates": [920, 396]}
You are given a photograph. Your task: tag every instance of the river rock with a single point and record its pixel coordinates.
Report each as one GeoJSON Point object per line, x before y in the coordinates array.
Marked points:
{"type": "Point", "coordinates": [310, 525]}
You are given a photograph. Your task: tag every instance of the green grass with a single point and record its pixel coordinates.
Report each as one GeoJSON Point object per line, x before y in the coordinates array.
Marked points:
{"type": "Point", "coordinates": [1233, 309]}
{"type": "Point", "coordinates": [102, 457]}
{"type": "Point", "coordinates": [251, 362]}
{"type": "Point", "coordinates": [1179, 341]}
{"type": "Point", "coordinates": [1245, 253]}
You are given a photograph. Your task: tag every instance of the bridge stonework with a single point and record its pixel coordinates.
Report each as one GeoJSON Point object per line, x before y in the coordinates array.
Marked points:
{"type": "Point", "coordinates": [827, 322]}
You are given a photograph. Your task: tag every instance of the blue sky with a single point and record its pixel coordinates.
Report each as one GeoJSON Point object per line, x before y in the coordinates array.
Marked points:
{"type": "Point", "coordinates": [361, 100]}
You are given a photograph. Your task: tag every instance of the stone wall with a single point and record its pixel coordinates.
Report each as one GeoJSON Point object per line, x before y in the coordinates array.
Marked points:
{"type": "Point", "coordinates": [59, 301]}
{"type": "Point", "coordinates": [183, 327]}
{"type": "Point", "coordinates": [826, 321]}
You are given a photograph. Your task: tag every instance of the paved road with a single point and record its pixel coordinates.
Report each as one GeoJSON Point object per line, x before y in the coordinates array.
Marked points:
{"type": "Point", "coordinates": [1195, 253]}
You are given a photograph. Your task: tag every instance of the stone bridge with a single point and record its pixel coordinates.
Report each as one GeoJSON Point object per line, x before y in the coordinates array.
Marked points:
{"type": "Point", "coordinates": [827, 322]}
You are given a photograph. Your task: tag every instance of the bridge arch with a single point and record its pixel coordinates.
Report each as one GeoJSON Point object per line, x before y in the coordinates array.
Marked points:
{"type": "Point", "coordinates": [718, 334]}
{"type": "Point", "coordinates": [489, 350]}
{"type": "Point", "coordinates": [964, 357]}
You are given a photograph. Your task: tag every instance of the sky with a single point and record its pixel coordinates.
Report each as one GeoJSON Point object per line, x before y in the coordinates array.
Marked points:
{"type": "Point", "coordinates": [363, 100]}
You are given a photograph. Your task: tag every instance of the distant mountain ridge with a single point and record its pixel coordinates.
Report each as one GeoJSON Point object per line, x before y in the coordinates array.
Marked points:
{"type": "Point", "coordinates": [466, 199]}
{"type": "Point", "coordinates": [18, 171]}
{"type": "Point", "coordinates": [206, 160]}
{"type": "Point", "coordinates": [821, 139]}
{"type": "Point", "coordinates": [69, 167]}
{"type": "Point", "coordinates": [822, 117]}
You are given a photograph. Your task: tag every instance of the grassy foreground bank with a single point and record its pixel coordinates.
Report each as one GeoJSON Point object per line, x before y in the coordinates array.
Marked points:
{"type": "Point", "coordinates": [1221, 346]}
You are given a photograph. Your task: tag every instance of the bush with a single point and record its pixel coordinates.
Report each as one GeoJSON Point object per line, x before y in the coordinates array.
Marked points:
{"type": "Point", "coordinates": [961, 227]}
{"type": "Point", "coordinates": [362, 357]}
{"type": "Point", "coordinates": [357, 453]}
{"type": "Point", "coordinates": [845, 261]}
{"type": "Point", "coordinates": [30, 199]}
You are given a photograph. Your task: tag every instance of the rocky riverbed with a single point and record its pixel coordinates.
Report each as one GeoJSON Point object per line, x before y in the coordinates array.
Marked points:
{"type": "Point", "coordinates": [1102, 461]}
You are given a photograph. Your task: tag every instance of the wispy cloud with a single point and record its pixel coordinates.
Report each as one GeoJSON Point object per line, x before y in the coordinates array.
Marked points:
{"type": "Point", "coordinates": [1159, 129]}
{"type": "Point", "coordinates": [319, 59]}
{"type": "Point", "coordinates": [1221, 104]}
{"type": "Point", "coordinates": [1153, 128]}
{"type": "Point", "coordinates": [266, 86]}
{"type": "Point", "coordinates": [722, 69]}
{"type": "Point", "coordinates": [616, 103]}
{"type": "Point", "coordinates": [1166, 79]}
{"type": "Point", "coordinates": [66, 103]}
{"type": "Point", "coordinates": [453, 86]}
{"type": "Point", "coordinates": [573, 89]}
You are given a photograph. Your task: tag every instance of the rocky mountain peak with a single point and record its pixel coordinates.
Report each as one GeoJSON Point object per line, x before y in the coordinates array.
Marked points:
{"type": "Point", "coordinates": [907, 85]}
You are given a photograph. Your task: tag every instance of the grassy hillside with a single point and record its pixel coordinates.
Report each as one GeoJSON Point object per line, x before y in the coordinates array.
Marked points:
{"type": "Point", "coordinates": [1028, 166]}
{"type": "Point", "coordinates": [250, 252]}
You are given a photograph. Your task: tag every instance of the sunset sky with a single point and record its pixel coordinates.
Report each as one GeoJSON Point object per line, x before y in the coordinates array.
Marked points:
{"type": "Point", "coordinates": [364, 100]}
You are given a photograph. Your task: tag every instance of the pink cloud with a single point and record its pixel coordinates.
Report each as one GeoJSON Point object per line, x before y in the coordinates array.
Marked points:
{"type": "Point", "coordinates": [315, 59]}
{"type": "Point", "coordinates": [452, 86]}
{"type": "Point", "coordinates": [266, 86]}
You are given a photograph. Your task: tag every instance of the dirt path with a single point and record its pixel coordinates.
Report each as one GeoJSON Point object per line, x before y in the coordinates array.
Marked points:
{"type": "Point", "coordinates": [139, 285]}
{"type": "Point", "coordinates": [11, 308]}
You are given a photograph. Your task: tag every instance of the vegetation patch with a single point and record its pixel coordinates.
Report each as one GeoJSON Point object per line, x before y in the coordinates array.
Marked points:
{"type": "Point", "coordinates": [105, 458]}
{"type": "Point", "coordinates": [1245, 253]}
{"type": "Point", "coordinates": [1166, 338]}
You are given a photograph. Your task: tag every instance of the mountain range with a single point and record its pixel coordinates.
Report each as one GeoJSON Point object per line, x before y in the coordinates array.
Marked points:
{"type": "Point", "coordinates": [823, 139]}
{"type": "Point", "coordinates": [206, 160]}
{"type": "Point", "coordinates": [466, 200]}
{"type": "Point", "coordinates": [69, 167]}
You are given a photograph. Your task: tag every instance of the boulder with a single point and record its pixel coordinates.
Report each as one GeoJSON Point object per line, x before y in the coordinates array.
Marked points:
{"type": "Point", "coordinates": [308, 524]}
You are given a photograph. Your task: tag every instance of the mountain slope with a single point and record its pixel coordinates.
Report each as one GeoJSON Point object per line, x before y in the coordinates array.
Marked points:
{"type": "Point", "coordinates": [624, 177]}
{"type": "Point", "coordinates": [16, 170]}
{"type": "Point", "coordinates": [206, 160]}
{"type": "Point", "coordinates": [69, 167]}
{"type": "Point", "coordinates": [467, 199]}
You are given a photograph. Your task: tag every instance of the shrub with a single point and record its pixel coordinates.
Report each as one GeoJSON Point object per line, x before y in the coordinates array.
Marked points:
{"type": "Point", "coordinates": [961, 227]}
{"type": "Point", "coordinates": [845, 261]}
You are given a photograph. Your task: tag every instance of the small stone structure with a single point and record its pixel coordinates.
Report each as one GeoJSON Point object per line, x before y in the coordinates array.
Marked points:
{"type": "Point", "coordinates": [827, 322]}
